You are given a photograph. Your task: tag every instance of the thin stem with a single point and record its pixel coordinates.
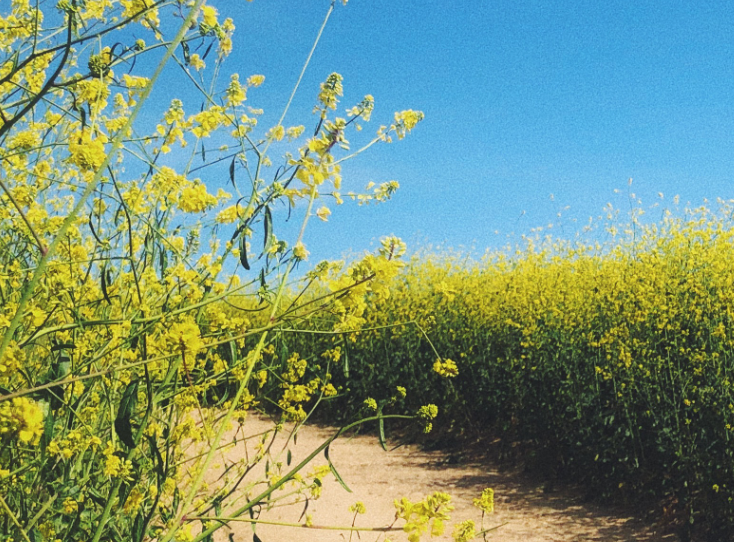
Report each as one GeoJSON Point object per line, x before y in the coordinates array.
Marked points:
{"type": "Point", "coordinates": [18, 208]}
{"type": "Point", "coordinates": [224, 519]}
{"type": "Point", "coordinates": [305, 65]}
{"type": "Point", "coordinates": [9, 512]}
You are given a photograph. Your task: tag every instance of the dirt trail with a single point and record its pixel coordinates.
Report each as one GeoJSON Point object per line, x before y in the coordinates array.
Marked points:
{"type": "Point", "coordinates": [377, 478]}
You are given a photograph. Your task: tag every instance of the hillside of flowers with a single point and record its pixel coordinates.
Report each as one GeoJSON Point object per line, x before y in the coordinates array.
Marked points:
{"type": "Point", "coordinates": [611, 361]}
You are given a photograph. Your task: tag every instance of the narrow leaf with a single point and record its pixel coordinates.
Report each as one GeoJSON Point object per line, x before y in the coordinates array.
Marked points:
{"type": "Point", "coordinates": [231, 172]}
{"type": "Point", "coordinates": [289, 458]}
{"type": "Point", "coordinates": [243, 252]}
{"type": "Point", "coordinates": [333, 470]}
{"type": "Point", "coordinates": [208, 50]}
{"type": "Point", "coordinates": [186, 52]}
{"type": "Point", "coordinates": [345, 350]}
{"type": "Point", "coordinates": [48, 429]}
{"type": "Point", "coordinates": [124, 413]}
{"type": "Point", "coordinates": [103, 278]}
{"type": "Point", "coordinates": [91, 228]}
{"type": "Point", "coordinates": [138, 527]}
{"type": "Point", "coordinates": [305, 507]}
{"type": "Point", "coordinates": [267, 241]}
{"type": "Point", "coordinates": [158, 458]}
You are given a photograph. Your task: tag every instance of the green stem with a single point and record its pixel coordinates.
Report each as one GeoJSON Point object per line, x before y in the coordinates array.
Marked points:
{"type": "Point", "coordinates": [302, 525]}
{"type": "Point", "coordinates": [9, 512]}
{"type": "Point", "coordinates": [111, 498]}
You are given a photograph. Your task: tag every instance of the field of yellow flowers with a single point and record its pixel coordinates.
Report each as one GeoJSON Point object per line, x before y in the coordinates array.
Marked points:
{"type": "Point", "coordinates": [612, 359]}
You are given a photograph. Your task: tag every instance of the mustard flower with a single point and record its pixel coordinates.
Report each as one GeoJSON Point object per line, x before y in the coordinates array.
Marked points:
{"type": "Point", "coordinates": [87, 153]}
{"type": "Point", "coordinates": [70, 506]}
{"type": "Point", "coordinates": [405, 121]}
{"type": "Point", "coordinates": [255, 80]}
{"type": "Point", "coordinates": [358, 508]}
{"type": "Point", "coordinates": [464, 531]}
{"type": "Point", "coordinates": [446, 368]}
{"type": "Point", "coordinates": [195, 199]}
{"type": "Point", "coordinates": [196, 62]}
{"type": "Point", "coordinates": [323, 213]}
{"type": "Point", "coordinates": [209, 14]}
{"type": "Point", "coordinates": [486, 502]}
{"type": "Point", "coordinates": [300, 252]}
{"type": "Point", "coordinates": [21, 419]}
{"type": "Point", "coordinates": [331, 89]}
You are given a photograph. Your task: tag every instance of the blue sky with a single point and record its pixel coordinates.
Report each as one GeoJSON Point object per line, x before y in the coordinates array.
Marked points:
{"type": "Point", "coordinates": [523, 99]}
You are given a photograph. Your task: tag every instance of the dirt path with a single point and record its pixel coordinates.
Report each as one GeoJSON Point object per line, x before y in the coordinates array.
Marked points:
{"type": "Point", "coordinates": [377, 478]}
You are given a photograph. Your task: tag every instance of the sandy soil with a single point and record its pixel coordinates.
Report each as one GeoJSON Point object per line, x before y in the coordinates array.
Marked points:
{"type": "Point", "coordinates": [524, 512]}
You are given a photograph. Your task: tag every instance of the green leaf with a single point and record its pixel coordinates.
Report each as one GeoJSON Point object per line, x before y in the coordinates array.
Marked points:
{"type": "Point", "coordinates": [243, 251]}
{"type": "Point", "coordinates": [208, 50]}
{"type": "Point", "coordinates": [288, 458]}
{"type": "Point", "coordinates": [48, 429]}
{"type": "Point", "coordinates": [268, 236]}
{"type": "Point", "coordinates": [104, 278]}
{"type": "Point", "coordinates": [345, 351]}
{"type": "Point", "coordinates": [231, 172]}
{"type": "Point", "coordinates": [186, 52]}
{"type": "Point", "coordinates": [333, 470]}
{"type": "Point", "coordinates": [138, 528]}
{"type": "Point", "coordinates": [305, 508]}
{"type": "Point", "coordinates": [127, 407]}
{"type": "Point", "coordinates": [158, 458]}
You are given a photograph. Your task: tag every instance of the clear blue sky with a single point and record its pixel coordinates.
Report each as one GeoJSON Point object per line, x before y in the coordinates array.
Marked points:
{"type": "Point", "coordinates": [523, 99]}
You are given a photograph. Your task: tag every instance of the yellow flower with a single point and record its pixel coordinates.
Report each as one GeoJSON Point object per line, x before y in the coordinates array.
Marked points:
{"type": "Point", "coordinates": [255, 80]}
{"type": "Point", "coordinates": [196, 62]}
{"type": "Point", "coordinates": [87, 153]}
{"type": "Point", "coordinates": [94, 92]}
{"type": "Point", "coordinates": [464, 531]}
{"type": "Point", "coordinates": [195, 199]}
{"type": "Point", "coordinates": [235, 93]}
{"type": "Point", "coordinates": [209, 14]}
{"type": "Point", "coordinates": [70, 506]}
{"type": "Point", "coordinates": [22, 419]}
{"type": "Point", "coordinates": [405, 121]}
{"type": "Point", "coordinates": [276, 133]}
{"type": "Point", "coordinates": [300, 252]}
{"type": "Point", "coordinates": [134, 501]}
{"type": "Point", "coordinates": [446, 368]}
{"type": "Point", "coordinates": [331, 89]}
{"type": "Point", "coordinates": [323, 213]}
{"type": "Point", "coordinates": [486, 502]}
{"type": "Point", "coordinates": [358, 508]}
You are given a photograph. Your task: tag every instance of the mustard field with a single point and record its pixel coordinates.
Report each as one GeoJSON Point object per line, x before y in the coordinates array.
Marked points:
{"type": "Point", "coordinates": [612, 362]}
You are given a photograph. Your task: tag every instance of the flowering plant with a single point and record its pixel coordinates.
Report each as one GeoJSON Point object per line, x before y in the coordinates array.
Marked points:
{"type": "Point", "coordinates": [134, 296]}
